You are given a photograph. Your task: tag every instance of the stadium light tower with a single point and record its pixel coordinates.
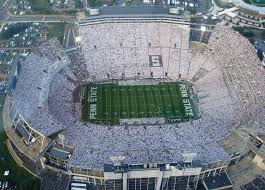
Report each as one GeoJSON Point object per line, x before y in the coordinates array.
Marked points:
{"type": "Point", "coordinates": [203, 28]}
{"type": "Point", "coordinates": [188, 157]}
{"type": "Point", "coordinates": [117, 160]}
{"type": "Point", "coordinates": [62, 138]}
{"type": "Point", "coordinates": [78, 39]}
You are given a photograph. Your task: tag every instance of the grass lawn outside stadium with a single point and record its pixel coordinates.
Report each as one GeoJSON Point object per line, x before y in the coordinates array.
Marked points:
{"type": "Point", "coordinates": [18, 177]}
{"type": "Point", "coordinates": [112, 102]}
{"type": "Point", "coordinates": [260, 3]}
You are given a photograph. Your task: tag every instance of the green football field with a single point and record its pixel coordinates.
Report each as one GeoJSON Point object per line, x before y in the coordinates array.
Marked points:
{"type": "Point", "coordinates": [108, 103]}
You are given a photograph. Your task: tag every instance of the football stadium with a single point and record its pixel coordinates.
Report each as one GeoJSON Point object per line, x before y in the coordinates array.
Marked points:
{"type": "Point", "coordinates": [138, 105]}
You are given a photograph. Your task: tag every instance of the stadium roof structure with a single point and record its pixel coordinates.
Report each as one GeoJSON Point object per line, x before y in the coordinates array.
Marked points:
{"type": "Point", "coordinates": [58, 153]}
{"type": "Point", "coordinates": [218, 181]}
{"type": "Point", "coordinates": [162, 167]}
{"type": "Point", "coordinates": [133, 10]}
{"type": "Point", "coordinates": [229, 90]}
{"type": "Point", "coordinates": [23, 132]}
{"type": "Point", "coordinates": [256, 9]}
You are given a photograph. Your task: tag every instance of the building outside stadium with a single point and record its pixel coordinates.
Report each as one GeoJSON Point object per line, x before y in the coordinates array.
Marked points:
{"type": "Point", "coordinates": [244, 13]}
{"type": "Point", "coordinates": [161, 107]}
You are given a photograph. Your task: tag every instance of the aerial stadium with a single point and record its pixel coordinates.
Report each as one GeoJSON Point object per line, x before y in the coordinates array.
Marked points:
{"type": "Point", "coordinates": [137, 107]}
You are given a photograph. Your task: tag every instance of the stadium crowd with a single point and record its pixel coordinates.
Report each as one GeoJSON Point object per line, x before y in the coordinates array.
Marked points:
{"type": "Point", "coordinates": [224, 76]}
{"type": "Point", "coordinates": [242, 71]}
{"type": "Point", "coordinates": [122, 49]}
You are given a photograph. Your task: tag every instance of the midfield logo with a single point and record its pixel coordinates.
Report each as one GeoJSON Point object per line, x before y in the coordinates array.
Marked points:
{"type": "Point", "coordinates": [155, 61]}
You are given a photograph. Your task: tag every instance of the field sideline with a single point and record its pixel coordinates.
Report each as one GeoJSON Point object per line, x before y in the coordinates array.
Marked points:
{"type": "Point", "coordinates": [108, 103]}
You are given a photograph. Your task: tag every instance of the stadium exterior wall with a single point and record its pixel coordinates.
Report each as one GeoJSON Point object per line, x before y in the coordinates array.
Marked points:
{"type": "Point", "coordinates": [21, 143]}
{"type": "Point", "coordinates": [193, 170]}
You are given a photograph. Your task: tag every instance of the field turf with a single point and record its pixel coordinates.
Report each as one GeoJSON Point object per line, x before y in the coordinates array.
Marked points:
{"type": "Point", "coordinates": [114, 102]}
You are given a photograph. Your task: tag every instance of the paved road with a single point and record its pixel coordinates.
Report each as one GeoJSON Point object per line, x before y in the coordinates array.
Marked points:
{"type": "Point", "coordinates": [16, 48]}
{"type": "Point", "coordinates": [38, 18]}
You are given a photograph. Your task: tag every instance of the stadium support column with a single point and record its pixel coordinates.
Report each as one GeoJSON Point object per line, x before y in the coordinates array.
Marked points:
{"type": "Point", "coordinates": [159, 180]}
{"type": "Point", "coordinates": [124, 182]}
